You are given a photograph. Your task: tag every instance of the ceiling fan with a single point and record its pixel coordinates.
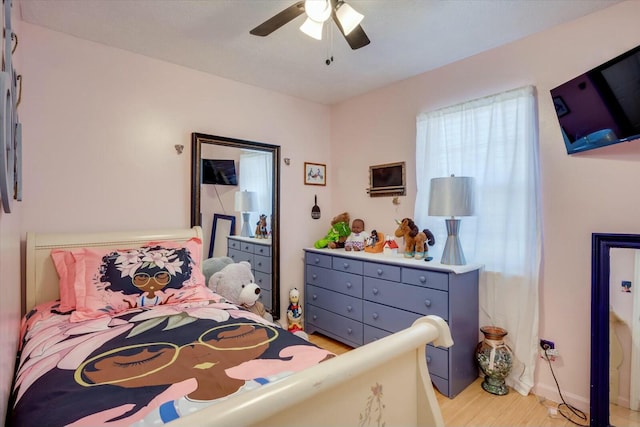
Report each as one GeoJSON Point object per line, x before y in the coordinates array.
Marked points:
{"type": "Point", "coordinates": [319, 11]}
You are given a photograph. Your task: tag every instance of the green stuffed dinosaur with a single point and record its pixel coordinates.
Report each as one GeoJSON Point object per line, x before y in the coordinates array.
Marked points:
{"type": "Point", "coordinates": [338, 232]}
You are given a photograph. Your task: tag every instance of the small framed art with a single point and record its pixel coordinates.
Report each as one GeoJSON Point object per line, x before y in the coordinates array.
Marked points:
{"type": "Point", "coordinates": [315, 174]}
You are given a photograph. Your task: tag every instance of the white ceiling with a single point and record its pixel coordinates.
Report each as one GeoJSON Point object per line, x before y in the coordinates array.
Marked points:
{"type": "Point", "coordinates": [408, 37]}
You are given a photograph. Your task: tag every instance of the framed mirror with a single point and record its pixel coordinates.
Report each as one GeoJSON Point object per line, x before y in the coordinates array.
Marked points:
{"type": "Point", "coordinates": [217, 195]}
{"type": "Point", "coordinates": [601, 246]}
{"type": "Point", "coordinates": [223, 226]}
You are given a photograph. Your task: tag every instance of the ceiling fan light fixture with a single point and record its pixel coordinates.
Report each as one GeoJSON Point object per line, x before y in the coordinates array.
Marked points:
{"type": "Point", "coordinates": [348, 17]}
{"type": "Point", "coordinates": [318, 10]}
{"type": "Point", "coordinates": [312, 28]}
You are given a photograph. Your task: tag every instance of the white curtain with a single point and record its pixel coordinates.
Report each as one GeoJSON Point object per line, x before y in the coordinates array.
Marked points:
{"type": "Point", "coordinates": [256, 174]}
{"type": "Point", "coordinates": [494, 140]}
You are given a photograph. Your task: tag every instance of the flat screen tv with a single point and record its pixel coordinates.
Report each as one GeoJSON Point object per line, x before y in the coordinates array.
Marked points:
{"type": "Point", "coordinates": [387, 179]}
{"type": "Point", "coordinates": [602, 106]}
{"type": "Point", "coordinates": [220, 172]}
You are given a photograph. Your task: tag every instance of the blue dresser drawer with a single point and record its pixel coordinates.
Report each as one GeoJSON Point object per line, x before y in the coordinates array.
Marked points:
{"type": "Point", "coordinates": [344, 305]}
{"type": "Point", "coordinates": [233, 244]}
{"type": "Point", "coordinates": [441, 384]}
{"type": "Point", "coordinates": [438, 361]}
{"type": "Point", "coordinates": [262, 263]}
{"type": "Point", "coordinates": [387, 318]}
{"type": "Point", "coordinates": [346, 283]}
{"type": "Point", "coordinates": [318, 276]}
{"type": "Point", "coordinates": [382, 271]}
{"type": "Point", "coordinates": [263, 280]}
{"type": "Point", "coordinates": [372, 334]}
{"type": "Point", "coordinates": [246, 247]}
{"type": "Point", "coordinates": [263, 250]}
{"type": "Point", "coordinates": [348, 265]}
{"type": "Point", "coordinates": [429, 279]}
{"type": "Point", "coordinates": [406, 297]}
{"type": "Point", "coordinates": [347, 329]}
{"type": "Point", "coordinates": [238, 256]}
{"type": "Point", "coordinates": [320, 260]}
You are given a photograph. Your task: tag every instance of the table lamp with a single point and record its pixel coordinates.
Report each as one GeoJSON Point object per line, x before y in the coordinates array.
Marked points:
{"type": "Point", "coordinates": [452, 196]}
{"type": "Point", "coordinates": [246, 202]}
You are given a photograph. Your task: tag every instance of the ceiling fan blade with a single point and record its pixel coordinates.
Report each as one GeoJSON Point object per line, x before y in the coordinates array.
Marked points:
{"type": "Point", "coordinates": [278, 20]}
{"type": "Point", "coordinates": [357, 38]}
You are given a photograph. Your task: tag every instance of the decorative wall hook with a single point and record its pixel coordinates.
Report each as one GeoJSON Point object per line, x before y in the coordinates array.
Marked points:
{"type": "Point", "coordinates": [179, 148]}
{"type": "Point", "coordinates": [287, 161]}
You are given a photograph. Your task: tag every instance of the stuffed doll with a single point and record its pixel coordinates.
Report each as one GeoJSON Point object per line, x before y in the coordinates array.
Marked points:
{"type": "Point", "coordinates": [261, 228]}
{"type": "Point", "coordinates": [337, 234]}
{"type": "Point", "coordinates": [236, 284]}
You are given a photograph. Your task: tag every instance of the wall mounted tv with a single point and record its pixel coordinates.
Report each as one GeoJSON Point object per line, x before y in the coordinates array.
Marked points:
{"type": "Point", "coordinates": [387, 179]}
{"type": "Point", "coordinates": [220, 172]}
{"type": "Point", "coordinates": [602, 106]}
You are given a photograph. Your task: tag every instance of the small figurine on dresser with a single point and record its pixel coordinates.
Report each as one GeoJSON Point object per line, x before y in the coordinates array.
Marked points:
{"type": "Point", "coordinates": [261, 228]}
{"type": "Point", "coordinates": [375, 242]}
{"type": "Point", "coordinates": [358, 236]}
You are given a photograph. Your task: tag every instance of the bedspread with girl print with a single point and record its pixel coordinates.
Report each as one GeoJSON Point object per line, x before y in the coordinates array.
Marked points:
{"type": "Point", "coordinates": [147, 366]}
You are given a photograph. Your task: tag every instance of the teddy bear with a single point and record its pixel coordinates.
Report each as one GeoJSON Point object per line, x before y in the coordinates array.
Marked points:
{"type": "Point", "coordinates": [213, 265]}
{"type": "Point", "coordinates": [337, 234]}
{"type": "Point", "coordinates": [236, 284]}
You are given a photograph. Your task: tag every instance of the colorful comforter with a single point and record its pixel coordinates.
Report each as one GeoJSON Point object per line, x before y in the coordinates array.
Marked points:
{"type": "Point", "coordinates": [146, 367]}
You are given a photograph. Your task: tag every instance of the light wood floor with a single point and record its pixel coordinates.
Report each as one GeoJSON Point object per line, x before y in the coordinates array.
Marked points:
{"type": "Point", "coordinates": [475, 407]}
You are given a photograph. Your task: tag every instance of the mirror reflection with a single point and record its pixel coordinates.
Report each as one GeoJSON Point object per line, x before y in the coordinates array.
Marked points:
{"type": "Point", "coordinates": [239, 179]}
{"type": "Point", "coordinates": [624, 351]}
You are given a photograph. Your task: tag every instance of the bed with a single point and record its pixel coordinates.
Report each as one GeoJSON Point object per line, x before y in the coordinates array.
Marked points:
{"type": "Point", "coordinates": [188, 361]}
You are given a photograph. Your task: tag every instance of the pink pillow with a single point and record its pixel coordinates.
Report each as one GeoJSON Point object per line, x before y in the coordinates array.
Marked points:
{"type": "Point", "coordinates": [111, 281]}
{"type": "Point", "coordinates": [66, 268]}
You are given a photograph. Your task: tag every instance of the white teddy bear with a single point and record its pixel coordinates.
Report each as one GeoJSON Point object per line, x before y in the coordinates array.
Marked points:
{"type": "Point", "coordinates": [236, 284]}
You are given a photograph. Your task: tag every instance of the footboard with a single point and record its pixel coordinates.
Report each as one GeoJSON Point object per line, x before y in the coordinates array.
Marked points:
{"type": "Point", "coordinates": [382, 383]}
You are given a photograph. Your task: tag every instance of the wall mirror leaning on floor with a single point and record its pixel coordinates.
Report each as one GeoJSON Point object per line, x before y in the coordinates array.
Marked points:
{"type": "Point", "coordinates": [254, 167]}
{"type": "Point", "coordinates": [615, 328]}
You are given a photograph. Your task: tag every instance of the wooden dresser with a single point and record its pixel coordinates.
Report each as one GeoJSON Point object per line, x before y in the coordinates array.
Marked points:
{"type": "Point", "coordinates": [358, 297]}
{"type": "Point", "coordinates": [258, 253]}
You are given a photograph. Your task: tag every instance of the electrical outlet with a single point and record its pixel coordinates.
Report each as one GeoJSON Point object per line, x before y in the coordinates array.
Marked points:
{"type": "Point", "coordinates": [547, 345]}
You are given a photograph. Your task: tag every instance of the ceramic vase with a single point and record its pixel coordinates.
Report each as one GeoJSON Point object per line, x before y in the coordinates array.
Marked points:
{"type": "Point", "coordinates": [495, 360]}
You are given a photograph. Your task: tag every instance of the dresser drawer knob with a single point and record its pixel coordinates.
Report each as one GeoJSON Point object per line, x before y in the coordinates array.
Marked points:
{"type": "Point", "coordinates": [315, 297]}
{"type": "Point", "coordinates": [427, 302]}
{"type": "Point", "coordinates": [379, 272]}
{"type": "Point", "coordinates": [316, 260]}
{"type": "Point", "coordinates": [346, 265]}
{"type": "Point", "coordinates": [375, 315]}
{"type": "Point", "coordinates": [375, 291]}
{"type": "Point", "coordinates": [260, 264]}
{"type": "Point", "coordinates": [349, 308]}
{"type": "Point", "coordinates": [349, 285]}
{"type": "Point", "coordinates": [428, 359]}
{"type": "Point", "coordinates": [315, 317]}
{"type": "Point", "coordinates": [314, 276]}
{"type": "Point", "coordinates": [349, 331]}
{"type": "Point", "coordinates": [423, 279]}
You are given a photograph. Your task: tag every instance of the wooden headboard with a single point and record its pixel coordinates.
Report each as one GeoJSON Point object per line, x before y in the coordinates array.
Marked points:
{"type": "Point", "coordinates": [41, 275]}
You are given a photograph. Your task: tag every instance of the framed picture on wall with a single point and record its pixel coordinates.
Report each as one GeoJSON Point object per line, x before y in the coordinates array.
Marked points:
{"type": "Point", "coordinates": [315, 174]}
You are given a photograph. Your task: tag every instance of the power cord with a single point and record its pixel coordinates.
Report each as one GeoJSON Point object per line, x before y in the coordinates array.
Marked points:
{"type": "Point", "coordinates": [577, 412]}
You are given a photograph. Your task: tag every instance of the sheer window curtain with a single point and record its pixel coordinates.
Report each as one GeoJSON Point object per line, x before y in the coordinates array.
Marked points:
{"type": "Point", "coordinates": [493, 139]}
{"type": "Point", "coordinates": [256, 174]}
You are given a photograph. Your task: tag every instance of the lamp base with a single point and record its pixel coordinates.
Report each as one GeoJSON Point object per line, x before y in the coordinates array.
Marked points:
{"type": "Point", "coordinates": [452, 254]}
{"type": "Point", "coordinates": [246, 231]}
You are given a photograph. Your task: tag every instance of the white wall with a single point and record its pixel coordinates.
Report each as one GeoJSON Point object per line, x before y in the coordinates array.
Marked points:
{"type": "Point", "coordinates": [591, 192]}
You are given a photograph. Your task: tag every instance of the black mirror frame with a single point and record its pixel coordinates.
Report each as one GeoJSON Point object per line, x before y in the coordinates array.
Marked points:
{"type": "Point", "coordinates": [601, 244]}
{"type": "Point", "coordinates": [197, 139]}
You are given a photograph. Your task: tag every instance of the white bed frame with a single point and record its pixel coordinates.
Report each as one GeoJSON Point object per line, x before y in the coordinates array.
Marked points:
{"type": "Point", "coordinates": [386, 381]}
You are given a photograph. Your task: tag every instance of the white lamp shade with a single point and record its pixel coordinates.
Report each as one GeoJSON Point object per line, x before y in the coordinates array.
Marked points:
{"type": "Point", "coordinates": [318, 10]}
{"type": "Point", "coordinates": [452, 196]}
{"type": "Point", "coordinates": [348, 17]}
{"type": "Point", "coordinates": [246, 201]}
{"type": "Point", "coordinates": [312, 28]}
